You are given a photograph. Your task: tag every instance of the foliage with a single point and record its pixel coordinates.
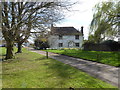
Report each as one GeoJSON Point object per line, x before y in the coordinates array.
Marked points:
{"type": "Point", "coordinates": [110, 58]}
{"type": "Point", "coordinates": [107, 45]}
{"type": "Point", "coordinates": [88, 42]}
{"type": "Point", "coordinates": [41, 41]}
{"type": "Point", "coordinates": [105, 21]}
{"type": "Point", "coordinates": [32, 70]}
{"type": "Point", "coordinates": [39, 44]}
{"type": "Point", "coordinates": [114, 46]}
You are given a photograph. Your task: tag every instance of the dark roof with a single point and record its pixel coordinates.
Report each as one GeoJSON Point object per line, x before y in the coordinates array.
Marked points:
{"type": "Point", "coordinates": [64, 31]}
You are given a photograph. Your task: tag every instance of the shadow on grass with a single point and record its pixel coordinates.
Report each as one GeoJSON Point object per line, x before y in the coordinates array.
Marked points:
{"type": "Point", "coordinates": [69, 73]}
{"type": "Point", "coordinates": [61, 69]}
{"type": "Point", "coordinates": [2, 57]}
{"type": "Point", "coordinates": [41, 58]}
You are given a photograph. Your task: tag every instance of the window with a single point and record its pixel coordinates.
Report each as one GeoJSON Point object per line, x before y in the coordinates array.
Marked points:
{"type": "Point", "coordinates": [60, 44]}
{"type": "Point", "coordinates": [76, 36]}
{"type": "Point", "coordinates": [77, 44]}
{"type": "Point", "coordinates": [60, 36]}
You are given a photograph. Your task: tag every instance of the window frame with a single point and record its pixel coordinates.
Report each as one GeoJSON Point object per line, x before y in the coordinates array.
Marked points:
{"type": "Point", "coordinates": [60, 44]}
{"type": "Point", "coordinates": [77, 45]}
{"type": "Point", "coordinates": [60, 37]}
{"type": "Point", "coordinates": [77, 37]}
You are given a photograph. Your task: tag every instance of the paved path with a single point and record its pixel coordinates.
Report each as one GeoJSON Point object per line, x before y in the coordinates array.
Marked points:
{"type": "Point", "coordinates": [104, 72]}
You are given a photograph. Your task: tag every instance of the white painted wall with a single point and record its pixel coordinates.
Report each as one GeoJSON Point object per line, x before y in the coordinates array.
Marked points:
{"type": "Point", "coordinates": [54, 41]}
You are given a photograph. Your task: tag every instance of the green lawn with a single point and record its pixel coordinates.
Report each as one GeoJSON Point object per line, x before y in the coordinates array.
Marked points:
{"type": "Point", "coordinates": [3, 52]}
{"type": "Point", "coordinates": [31, 70]}
{"type": "Point", "coordinates": [110, 58]}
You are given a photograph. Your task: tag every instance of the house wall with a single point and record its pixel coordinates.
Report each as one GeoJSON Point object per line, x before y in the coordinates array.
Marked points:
{"type": "Point", "coordinates": [54, 41]}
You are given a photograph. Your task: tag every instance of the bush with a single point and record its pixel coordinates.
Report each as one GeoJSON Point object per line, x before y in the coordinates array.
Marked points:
{"type": "Point", "coordinates": [108, 45]}
{"type": "Point", "coordinates": [40, 44]}
{"type": "Point", "coordinates": [113, 45]}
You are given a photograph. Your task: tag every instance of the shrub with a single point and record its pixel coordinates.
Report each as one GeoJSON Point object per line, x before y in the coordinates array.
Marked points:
{"type": "Point", "coordinates": [113, 45]}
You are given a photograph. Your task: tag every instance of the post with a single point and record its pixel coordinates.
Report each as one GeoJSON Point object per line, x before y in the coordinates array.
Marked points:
{"type": "Point", "coordinates": [98, 57]}
{"type": "Point", "coordinates": [47, 54]}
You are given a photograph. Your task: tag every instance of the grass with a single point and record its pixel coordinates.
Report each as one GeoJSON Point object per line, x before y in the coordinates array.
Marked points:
{"type": "Point", "coordinates": [110, 58]}
{"type": "Point", "coordinates": [3, 52]}
{"type": "Point", "coordinates": [32, 70]}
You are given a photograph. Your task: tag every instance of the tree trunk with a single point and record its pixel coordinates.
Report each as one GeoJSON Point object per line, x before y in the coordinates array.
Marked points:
{"type": "Point", "coordinates": [9, 51]}
{"type": "Point", "coordinates": [19, 48]}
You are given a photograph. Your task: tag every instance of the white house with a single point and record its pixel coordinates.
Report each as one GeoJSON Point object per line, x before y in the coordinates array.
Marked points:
{"type": "Point", "coordinates": [65, 37]}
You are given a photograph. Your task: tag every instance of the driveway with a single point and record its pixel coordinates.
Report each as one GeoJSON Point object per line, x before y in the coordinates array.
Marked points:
{"type": "Point", "coordinates": [104, 72]}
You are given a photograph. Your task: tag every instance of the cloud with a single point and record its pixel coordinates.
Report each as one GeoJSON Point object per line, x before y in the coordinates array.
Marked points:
{"type": "Point", "coordinates": [82, 15]}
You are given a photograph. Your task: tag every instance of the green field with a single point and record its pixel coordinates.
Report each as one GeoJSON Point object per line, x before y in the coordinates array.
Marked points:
{"type": "Point", "coordinates": [110, 58]}
{"type": "Point", "coordinates": [31, 70]}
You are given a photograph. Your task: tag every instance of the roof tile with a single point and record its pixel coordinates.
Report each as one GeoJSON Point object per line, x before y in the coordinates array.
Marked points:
{"type": "Point", "coordinates": [64, 31]}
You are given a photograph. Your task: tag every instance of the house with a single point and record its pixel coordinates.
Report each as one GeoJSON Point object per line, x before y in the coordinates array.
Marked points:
{"type": "Point", "coordinates": [65, 37]}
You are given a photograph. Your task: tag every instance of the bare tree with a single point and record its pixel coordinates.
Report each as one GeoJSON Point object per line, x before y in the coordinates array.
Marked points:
{"type": "Point", "coordinates": [29, 15]}
{"type": "Point", "coordinates": [38, 21]}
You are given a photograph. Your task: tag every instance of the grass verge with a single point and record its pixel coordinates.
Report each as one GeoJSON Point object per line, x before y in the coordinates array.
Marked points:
{"type": "Point", "coordinates": [32, 70]}
{"type": "Point", "coordinates": [110, 58]}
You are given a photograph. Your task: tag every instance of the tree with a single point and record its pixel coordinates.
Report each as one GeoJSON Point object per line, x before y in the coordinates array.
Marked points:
{"type": "Point", "coordinates": [114, 46]}
{"type": "Point", "coordinates": [40, 44]}
{"type": "Point", "coordinates": [105, 21]}
{"type": "Point", "coordinates": [91, 38]}
{"type": "Point", "coordinates": [8, 27]}
{"type": "Point", "coordinates": [41, 40]}
{"type": "Point", "coordinates": [19, 15]}
{"type": "Point", "coordinates": [39, 22]}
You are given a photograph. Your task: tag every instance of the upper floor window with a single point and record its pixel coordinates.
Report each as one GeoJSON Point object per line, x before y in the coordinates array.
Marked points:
{"type": "Point", "coordinates": [76, 36]}
{"type": "Point", "coordinates": [60, 44]}
{"type": "Point", "coordinates": [60, 36]}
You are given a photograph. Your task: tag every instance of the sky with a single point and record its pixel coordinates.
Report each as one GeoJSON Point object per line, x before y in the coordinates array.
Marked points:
{"type": "Point", "coordinates": [81, 16]}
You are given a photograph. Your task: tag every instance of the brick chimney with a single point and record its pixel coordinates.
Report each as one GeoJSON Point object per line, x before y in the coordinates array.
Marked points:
{"type": "Point", "coordinates": [52, 27]}
{"type": "Point", "coordinates": [82, 30]}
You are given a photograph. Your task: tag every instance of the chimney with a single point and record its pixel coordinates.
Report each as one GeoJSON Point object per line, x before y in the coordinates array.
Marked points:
{"type": "Point", "coordinates": [52, 29]}
{"type": "Point", "coordinates": [52, 26]}
{"type": "Point", "coordinates": [82, 30]}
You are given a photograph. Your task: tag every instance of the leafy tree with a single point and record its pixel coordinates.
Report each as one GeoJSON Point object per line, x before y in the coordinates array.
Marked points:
{"type": "Point", "coordinates": [105, 21]}
{"type": "Point", "coordinates": [42, 16]}
{"type": "Point", "coordinates": [41, 41]}
{"type": "Point", "coordinates": [91, 38]}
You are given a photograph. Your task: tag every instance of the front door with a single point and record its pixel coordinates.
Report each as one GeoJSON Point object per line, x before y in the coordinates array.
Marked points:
{"type": "Point", "coordinates": [70, 44]}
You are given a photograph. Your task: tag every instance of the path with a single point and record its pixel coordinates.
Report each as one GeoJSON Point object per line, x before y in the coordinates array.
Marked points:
{"type": "Point", "coordinates": [104, 72]}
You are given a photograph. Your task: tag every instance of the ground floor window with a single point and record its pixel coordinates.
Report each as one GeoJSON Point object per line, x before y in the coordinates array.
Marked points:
{"type": "Point", "coordinates": [60, 44]}
{"type": "Point", "coordinates": [77, 44]}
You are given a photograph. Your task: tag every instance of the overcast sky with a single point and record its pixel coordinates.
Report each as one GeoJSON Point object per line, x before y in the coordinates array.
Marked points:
{"type": "Point", "coordinates": [81, 17]}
